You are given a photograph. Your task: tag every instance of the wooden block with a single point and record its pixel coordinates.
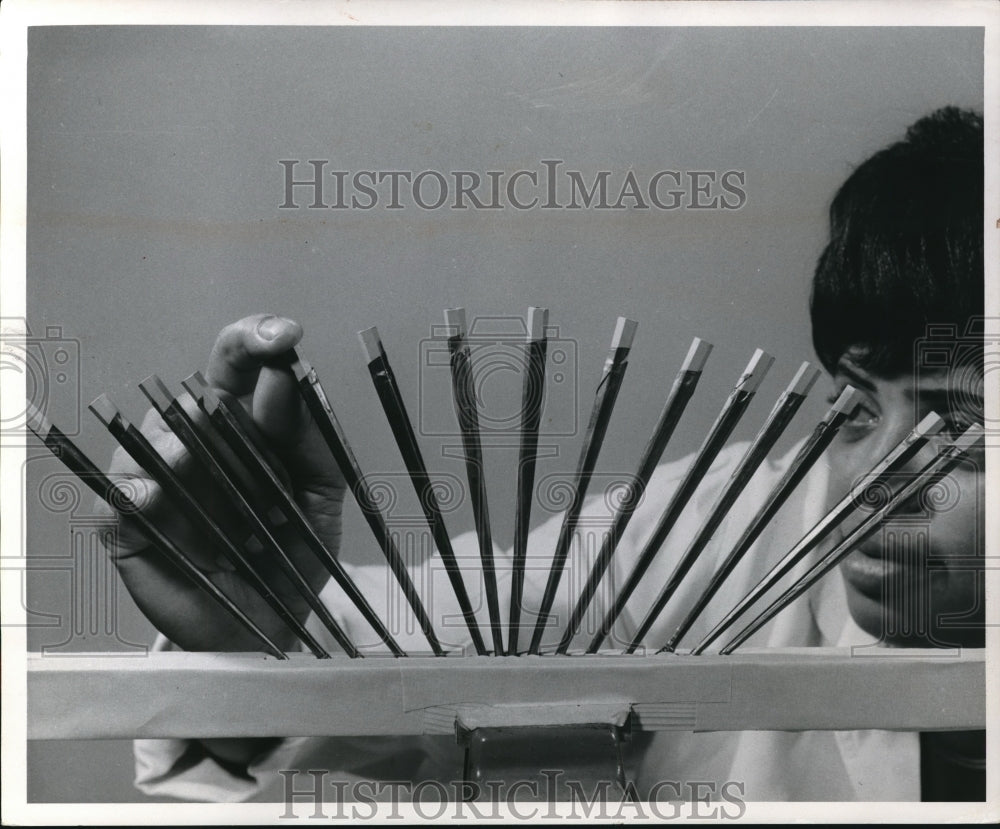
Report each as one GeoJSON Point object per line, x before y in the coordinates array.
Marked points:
{"type": "Point", "coordinates": [179, 694]}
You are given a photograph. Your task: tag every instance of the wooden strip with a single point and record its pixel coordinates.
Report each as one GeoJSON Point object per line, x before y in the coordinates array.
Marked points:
{"type": "Point", "coordinates": [444, 719]}
{"type": "Point", "coordinates": [240, 695]}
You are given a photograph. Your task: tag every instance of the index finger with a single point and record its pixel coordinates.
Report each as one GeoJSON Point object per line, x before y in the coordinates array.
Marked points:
{"type": "Point", "coordinates": [241, 349]}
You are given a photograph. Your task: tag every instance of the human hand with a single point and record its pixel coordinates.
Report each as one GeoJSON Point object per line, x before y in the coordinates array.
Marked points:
{"type": "Point", "coordinates": [245, 365]}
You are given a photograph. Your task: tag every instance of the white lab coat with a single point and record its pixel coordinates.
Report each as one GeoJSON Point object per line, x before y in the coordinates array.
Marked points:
{"type": "Point", "coordinates": [763, 766]}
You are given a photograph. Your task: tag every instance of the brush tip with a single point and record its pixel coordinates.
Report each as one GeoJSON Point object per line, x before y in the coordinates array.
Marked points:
{"type": "Point", "coordinates": [804, 379]}
{"type": "Point", "coordinates": [970, 437]}
{"type": "Point", "coordinates": [298, 364]}
{"type": "Point", "coordinates": [930, 425]}
{"type": "Point", "coordinates": [203, 394]}
{"type": "Point", "coordinates": [538, 319]}
{"type": "Point", "coordinates": [760, 363]}
{"type": "Point", "coordinates": [36, 421]}
{"type": "Point", "coordinates": [104, 410]}
{"type": "Point", "coordinates": [697, 355]}
{"type": "Point", "coordinates": [156, 391]}
{"type": "Point", "coordinates": [371, 343]}
{"type": "Point", "coordinates": [195, 384]}
{"type": "Point", "coordinates": [847, 402]}
{"type": "Point", "coordinates": [454, 318]}
{"type": "Point", "coordinates": [624, 334]}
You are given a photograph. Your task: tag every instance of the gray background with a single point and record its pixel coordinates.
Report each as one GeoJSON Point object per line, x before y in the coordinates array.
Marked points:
{"type": "Point", "coordinates": [153, 193]}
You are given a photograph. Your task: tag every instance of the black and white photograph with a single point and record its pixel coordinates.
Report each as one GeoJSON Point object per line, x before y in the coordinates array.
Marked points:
{"type": "Point", "coordinates": [522, 412]}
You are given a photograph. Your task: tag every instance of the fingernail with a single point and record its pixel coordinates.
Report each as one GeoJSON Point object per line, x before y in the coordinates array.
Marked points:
{"type": "Point", "coordinates": [271, 327]}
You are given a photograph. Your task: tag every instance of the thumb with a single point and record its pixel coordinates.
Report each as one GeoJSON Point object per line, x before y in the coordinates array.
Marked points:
{"type": "Point", "coordinates": [278, 409]}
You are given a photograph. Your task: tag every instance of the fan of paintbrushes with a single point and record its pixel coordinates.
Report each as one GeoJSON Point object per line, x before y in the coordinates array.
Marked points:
{"type": "Point", "coordinates": [269, 504]}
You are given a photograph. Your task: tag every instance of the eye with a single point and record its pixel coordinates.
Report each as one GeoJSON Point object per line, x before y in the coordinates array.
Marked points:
{"type": "Point", "coordinates": [955, 424]}
{"type": "Point", "coordinates": [862, 420]}
{"type": "Point", "coordinates": [864, 417]}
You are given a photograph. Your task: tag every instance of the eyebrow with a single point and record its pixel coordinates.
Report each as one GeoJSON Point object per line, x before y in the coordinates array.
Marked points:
{"type": "Point", "coordinates": [934, 397]}
{"type": "Point", "coordinates": [945, 396]}
{"type": "Point", "coordinates": [855, 375]}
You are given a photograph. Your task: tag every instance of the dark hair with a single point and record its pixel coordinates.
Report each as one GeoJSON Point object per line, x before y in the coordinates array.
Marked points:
{"type": "Point", "coordinates": [906, 246]}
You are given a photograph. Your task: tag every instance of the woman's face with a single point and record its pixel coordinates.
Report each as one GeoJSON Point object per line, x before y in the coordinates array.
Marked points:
{"type": "Point", "coordinates": [920, 579]}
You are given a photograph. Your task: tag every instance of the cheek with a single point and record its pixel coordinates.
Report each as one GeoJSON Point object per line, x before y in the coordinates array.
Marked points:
{"type": "Point", "coordinates": [955, 538]}
{"type": "Point", "coordinates": [845, 465]}
{"type": "Point", "coordinates": [957, 545]}
{"type": "Point", "coordinates": [956, 516]}
{"type": "Point", "coordinates": [941, 533]}
{"type": "Point", "coordinates": [938, 597]}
